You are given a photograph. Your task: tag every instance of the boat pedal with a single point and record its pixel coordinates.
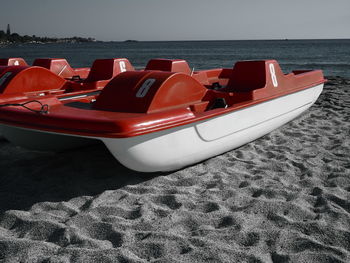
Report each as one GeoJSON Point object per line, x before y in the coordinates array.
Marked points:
{"type": "Point", "coordinates": [75, 78]}
{"type": "Point", "coordinates": [218, 103]}
{"type": "Point", "coordinates": [216, 86]}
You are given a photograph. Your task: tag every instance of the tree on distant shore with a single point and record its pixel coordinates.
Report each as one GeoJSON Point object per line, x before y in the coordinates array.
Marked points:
{"type": "Point", "coordinates": [16, 38]}
{"type": "Point", "coordinates": [2, 35]}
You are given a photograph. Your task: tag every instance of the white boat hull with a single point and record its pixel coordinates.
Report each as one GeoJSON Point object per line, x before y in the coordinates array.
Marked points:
{"type": "Point", "coordinates": [178, 147]}
{"type": "Point", "coordinates": [181, 146]}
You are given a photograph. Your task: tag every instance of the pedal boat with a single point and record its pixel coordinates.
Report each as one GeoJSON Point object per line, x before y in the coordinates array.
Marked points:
{"type": "Point", "coordinates": [56, 77]}
{"type": "Point", "coordinates": [53, 76]}
{"type": "Point", "coordinates": [156, 120]}
{"type": "Point", "coordinates": [59, 66]}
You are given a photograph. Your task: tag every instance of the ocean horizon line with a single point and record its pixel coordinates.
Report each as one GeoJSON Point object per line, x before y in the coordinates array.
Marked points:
{"type": "Point", "coordinates": [221, 40]}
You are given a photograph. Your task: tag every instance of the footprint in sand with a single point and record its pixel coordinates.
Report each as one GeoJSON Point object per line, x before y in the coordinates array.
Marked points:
{"type": "Point", "coordinates": [229, 221]}
{"type": "Point", "coordinates": [249, 239]}
{"type": "Point", "coordinates": [170, 201]}
{"type": "Point", "coordinates": [210, 207]}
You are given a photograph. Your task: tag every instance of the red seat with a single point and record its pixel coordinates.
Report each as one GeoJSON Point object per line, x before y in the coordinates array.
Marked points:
{"type": "Point", "coordinates": [170, 65]}
{"type": "Point", "coordinates": [13, 62]}
{"type": "Point", "coordinates": [149, 91]}
{"type": "Point", "coordinates": [59, 66]}
{"type": "Point", "coordinates": [15, 79]}
{"type": "Point", "coordinates": [247, 76]}
{"type": "Point", "coordinates": [105, 69]}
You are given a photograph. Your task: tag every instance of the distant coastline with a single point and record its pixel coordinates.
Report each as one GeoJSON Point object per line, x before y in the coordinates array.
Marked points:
{"type": "Point", "coordinates": [7, 38]}
{"type": "Point", "coordinates": [130, 41]}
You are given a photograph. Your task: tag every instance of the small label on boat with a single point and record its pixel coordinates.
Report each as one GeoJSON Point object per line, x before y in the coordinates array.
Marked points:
{"type": "Point", "coordinates": [122, 66]}
{"type": "Point", "coordinates": [145, 88]}
{"type": "Point", "coordinates": [273, 75]}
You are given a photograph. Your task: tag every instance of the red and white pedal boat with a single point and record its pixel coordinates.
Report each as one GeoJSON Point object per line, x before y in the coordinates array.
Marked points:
{"type": "Point", "coordinates": [155, 120]}
{"type": "Point", "coordinates": [52, 76]}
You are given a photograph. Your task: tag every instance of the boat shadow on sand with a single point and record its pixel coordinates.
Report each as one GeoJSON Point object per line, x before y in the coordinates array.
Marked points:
{"type": "Point", "coordinates": [28, 177]}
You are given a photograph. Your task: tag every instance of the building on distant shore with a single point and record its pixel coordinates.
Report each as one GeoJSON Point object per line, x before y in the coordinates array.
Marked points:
{"type": "Point", "coordinates": [8, 31]}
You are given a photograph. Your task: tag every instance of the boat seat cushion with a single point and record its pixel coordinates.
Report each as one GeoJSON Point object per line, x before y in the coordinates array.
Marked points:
{"type": "Point", "coordinates": [169, 65]}
{"type": "Point", "coordinates": [149, 91]}
{"type": "Point", "coordinates": [105, 69]}
{"type": "Point", "coordinates": [247, 76]}
{"type": "Point", "coordinates": [59, 66]}
{"type": "Point", "coordinates": [13, 62]}
{"type": "Point", "coordinates": [19, 79]}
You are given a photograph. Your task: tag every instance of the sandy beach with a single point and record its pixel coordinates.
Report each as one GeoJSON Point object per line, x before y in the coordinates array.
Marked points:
{"type": "Point", "coordinates": [282, 198]}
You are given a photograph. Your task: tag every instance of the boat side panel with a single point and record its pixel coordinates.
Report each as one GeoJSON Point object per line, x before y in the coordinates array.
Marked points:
{"type": "Point", "coordinates": [181, 146]}
{"type": "Point", "coordinates": [245, 118]}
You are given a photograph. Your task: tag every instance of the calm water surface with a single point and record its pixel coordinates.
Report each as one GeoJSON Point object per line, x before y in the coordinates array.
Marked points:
{"type": "Point", "coordinates": [332, 56]}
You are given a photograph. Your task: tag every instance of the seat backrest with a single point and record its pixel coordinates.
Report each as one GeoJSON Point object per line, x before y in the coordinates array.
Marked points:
{"type": "Point", "coordinates": [59, 66]}
{"type": "Point", "coordinates": [149, 91]}
{"type": "Point", "coordinates": [20, 79]}
{"type": "Point", "coordinates": [105, 69]}
{"type": "Point", "coordinates": [169, 65]}
{"type": "Point", "coordinates": [12, 62]}
{"type": "Point", "coordinates": [247, 76]}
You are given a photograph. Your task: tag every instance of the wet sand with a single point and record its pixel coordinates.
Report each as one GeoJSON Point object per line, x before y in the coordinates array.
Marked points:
{"type": "Point", "coordinates": [282, 198]}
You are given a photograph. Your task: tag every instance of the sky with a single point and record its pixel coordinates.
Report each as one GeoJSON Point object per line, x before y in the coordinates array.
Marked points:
{"type": "Point", "coordinates": [153, 20]}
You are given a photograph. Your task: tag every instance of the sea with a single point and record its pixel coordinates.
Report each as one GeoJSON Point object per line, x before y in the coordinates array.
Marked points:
{"type": "Point", "coordinates": [332, 56]}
